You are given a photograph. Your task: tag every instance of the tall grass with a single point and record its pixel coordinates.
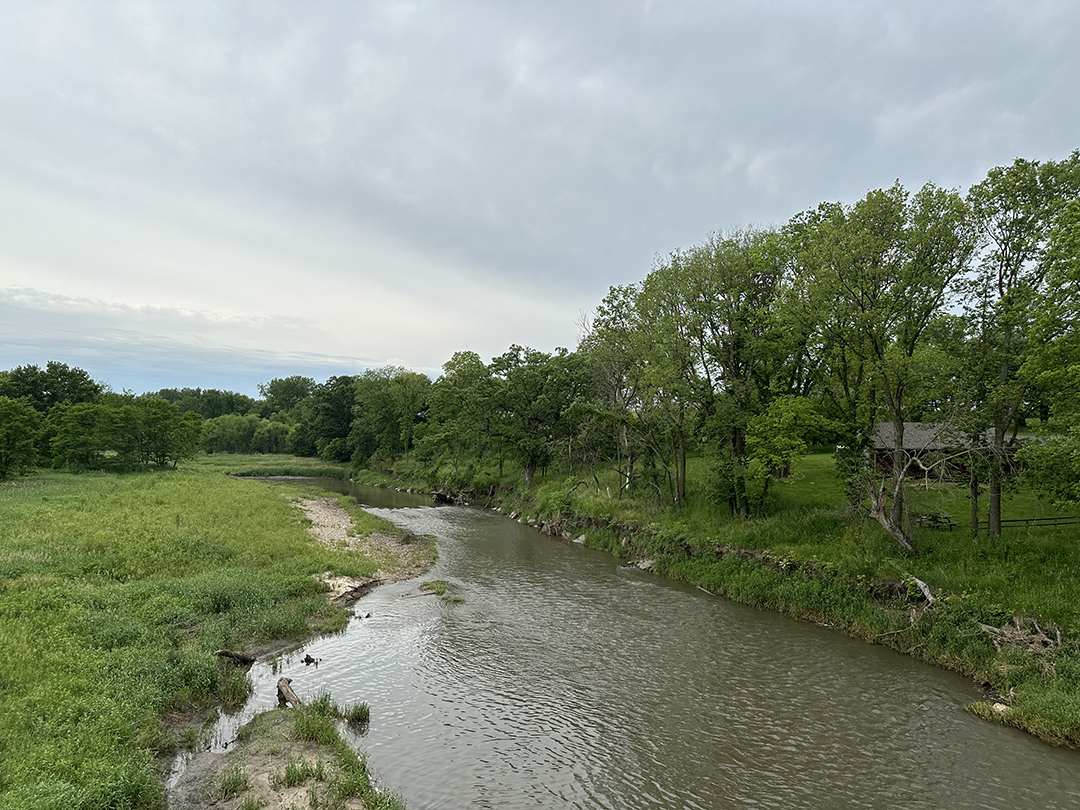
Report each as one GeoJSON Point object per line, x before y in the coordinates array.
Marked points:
{"type": "Point", "coordinates": [258, 464]}
{"type": "Point", "coordinates": [114, 593]}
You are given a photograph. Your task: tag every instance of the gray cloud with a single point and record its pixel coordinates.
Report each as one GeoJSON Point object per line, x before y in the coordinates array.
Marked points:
{"type": "Point", "coordinates": [414, 178]}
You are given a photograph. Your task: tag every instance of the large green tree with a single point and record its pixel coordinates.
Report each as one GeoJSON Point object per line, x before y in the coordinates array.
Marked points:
{"type": "Point", "coordinates": [55, 383]}
{"type": "Point", "coordinates": [1016, 208]}
{"type": "Point", "coordinates": [532, 401]}
{"type": "Point", "coordinates": [1053, 364]}
{"type": "Point", "coordinates": [459, 417]}
{"type": "Point", "coordinates": [390, 403]}
{"type": "Point", "coordinates": [19, 426]}
{"type": "Point", "coordinates": [283, 394]}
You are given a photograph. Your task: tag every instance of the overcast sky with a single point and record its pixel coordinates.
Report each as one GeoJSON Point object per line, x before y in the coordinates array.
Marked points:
{"type": "Point", "coordinates": [214, 194]}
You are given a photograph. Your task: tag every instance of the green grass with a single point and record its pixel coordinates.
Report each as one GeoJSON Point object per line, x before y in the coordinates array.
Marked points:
{"type": "Point", "coordinates": [232, 783]}
{"type": "Point", "coordinates": [299, 771]}
{"type": "Point", "coordinates": [114, 592]}
{"type": "Point", "coordinates": [258, 464]}
{"type": "Point", "coordinates": [357, 713]}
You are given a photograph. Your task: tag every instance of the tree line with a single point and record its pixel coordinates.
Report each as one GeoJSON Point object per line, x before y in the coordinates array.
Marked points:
{"type": "Point", "coordinates": [954, 310]}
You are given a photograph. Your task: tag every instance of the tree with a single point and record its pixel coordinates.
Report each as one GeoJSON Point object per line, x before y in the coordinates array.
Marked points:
{"type": "Point", "coordinates": [285, 393]}
{"type": "Point", "coordinates": [231, 433]}
{"type": "Point", "coordinates": [389, 405]}
{"type": "Point", "coordinates": [166, 436]}
{"type": "Point", "coordinates": [614, 356]}
{"type": "Point", "coordinates": [330, 417]}
{"type": "Point", "coordinates": [19, 426]}
{"type": "Point", "coordinates": [80, 437]}
{"type": "Point", "coordinates": [270, 437]}
{"type": "Point", "coordinates": [1015, 208]}
{"type": "Point", "coordinates": [459, 414]}
{"type": "Point", "coordinates": [1052, 465]}
{"type": "Point", "coordinates": [54, 384]}
{"type": "Point", "coordinates": [777, 437]}
{"type": "Point", "coordinates": [533, 395]}
{"type": "Point", "coordinates": [887, 264]}
{"type": "Point", "coordinates": [717, 349]}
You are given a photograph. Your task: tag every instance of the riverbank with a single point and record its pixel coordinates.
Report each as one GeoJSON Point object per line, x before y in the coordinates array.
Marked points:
{"type": "Point", "coordinates": [295, 755]}
{"type": "Point", "coordinates": [289, 757]}
{"type": "Point", "coordinates": [115, 592]}
{"type": "Point", "coordinates": [1005, 613]}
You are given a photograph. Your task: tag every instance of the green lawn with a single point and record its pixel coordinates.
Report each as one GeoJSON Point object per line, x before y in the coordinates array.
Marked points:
{"type": "Point", "coordinates": [114, 592]}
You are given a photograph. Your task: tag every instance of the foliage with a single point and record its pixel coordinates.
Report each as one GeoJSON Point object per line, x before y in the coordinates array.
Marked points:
{"type": "Point", "coordinates": [281, 395]}
{"type": "Point", "coordinates": [209, 403]}
{"type": "Point", "coordinates": [533, 397]}
{"type": "Point", "coordinates": [122, 433]}
{"type": "Point", "coordinates": [19, 427]}
{"type": "Point", "coordinates": [390, 405]}
{"type": "Point", "coordinates": [56, 383]}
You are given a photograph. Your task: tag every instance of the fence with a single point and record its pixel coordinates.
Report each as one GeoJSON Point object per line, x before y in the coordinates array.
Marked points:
{"type": "Point", "coordinates": [1028, 523]}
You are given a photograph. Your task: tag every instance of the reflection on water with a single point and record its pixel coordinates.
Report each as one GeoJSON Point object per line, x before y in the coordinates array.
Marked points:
{"type": "Point", "coordinates": [562, 680]}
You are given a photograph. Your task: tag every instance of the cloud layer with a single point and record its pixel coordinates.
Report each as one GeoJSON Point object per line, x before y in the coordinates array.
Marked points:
{"type": "Point", "coordinates": [394, 181]}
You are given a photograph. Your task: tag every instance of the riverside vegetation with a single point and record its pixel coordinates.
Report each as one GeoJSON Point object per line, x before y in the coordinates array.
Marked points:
{"type": "Point", "coordinates": [114, 593]}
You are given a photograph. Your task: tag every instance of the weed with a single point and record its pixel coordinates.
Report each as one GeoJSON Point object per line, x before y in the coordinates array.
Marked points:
{"type": "Point", "coordinates": [232, 782]}
{"type": "Point", "coordinates": [357, 713]}
{"type": "Point", "coordinates": [299, 771]}
{"type": "Point", "coordinates": [235, 688]}
{"type": "Point", "coordinates": [309, 724]}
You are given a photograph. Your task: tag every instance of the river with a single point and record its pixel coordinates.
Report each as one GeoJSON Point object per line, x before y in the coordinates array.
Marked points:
{"type": "Point", "coordinates": [563, 680]}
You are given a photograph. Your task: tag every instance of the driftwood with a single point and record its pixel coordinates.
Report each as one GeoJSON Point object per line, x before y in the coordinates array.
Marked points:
{"type": "Point", "coordinates": [1024, 634]}
{"type": "Point", "coordinates": [924, 588]}
{"type": "Point", "coordinates": [286, 694]}
{"type": "Point", "coordinates": [243, 659]}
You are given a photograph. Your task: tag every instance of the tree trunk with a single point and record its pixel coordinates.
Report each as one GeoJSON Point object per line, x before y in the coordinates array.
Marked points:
{"type": "Point", "coordinates": [899, 471]}
{"type": "Point", "coordinates": [997, 459]}
{"type": "Point", "coordinates": [530, 471]}
{"type": "Point", "coordinates": [878, 499]}
{"type": "Point", "coordinates": [973, 497]}
{"type": "Point", "coordinates": [680, 469]}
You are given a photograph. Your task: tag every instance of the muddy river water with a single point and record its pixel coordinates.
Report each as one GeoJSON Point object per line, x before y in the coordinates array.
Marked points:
{"type": "Point", "coordinates": [562, 680]}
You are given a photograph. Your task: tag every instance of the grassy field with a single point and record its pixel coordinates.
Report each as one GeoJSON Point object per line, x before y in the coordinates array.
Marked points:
{"type": "Point", "coordinates": [114, 592]}
{"type": "Point", "coordinates": [259, 464]}
{"type": "Point", "coordinates": [999, 604]}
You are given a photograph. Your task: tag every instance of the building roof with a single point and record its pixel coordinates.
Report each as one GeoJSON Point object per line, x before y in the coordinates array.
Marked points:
{"type": "Point", "coordinates": [919, 436]}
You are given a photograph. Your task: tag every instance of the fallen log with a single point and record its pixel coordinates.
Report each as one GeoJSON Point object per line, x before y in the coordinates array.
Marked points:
{"type": "Point", "coordinates": [286, 694]}
{"type": "Point", "coordinates": [238, 657]}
